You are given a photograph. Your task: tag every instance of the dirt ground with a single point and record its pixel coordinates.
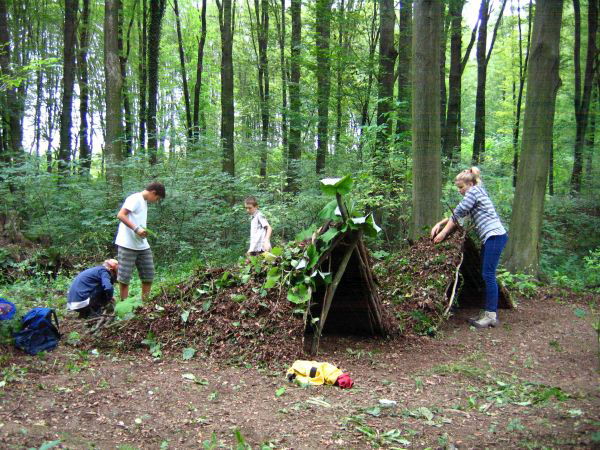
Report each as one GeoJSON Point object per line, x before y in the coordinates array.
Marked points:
{"type": "Point", "coordinates": [530, 383]}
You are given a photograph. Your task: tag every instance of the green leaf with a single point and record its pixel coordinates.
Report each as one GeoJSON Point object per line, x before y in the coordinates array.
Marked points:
{"type": "Point", "coordinates": [277, 251]}
{"type": "Point", "coordinates": [185, 316]}
{"type": "Point", "coordinates": [299, 294]}
{"type": "Point", "coordinates": [330, 211]}
{"type": "Point", "coordinates": [188, 353]}
{"type": "Point", "coordinates": [238, 298]}
{"type": "Point", "coordinates": [426, 413]}
{"type": "Point", "coordinates": [371, 228]}
{"type": "Point", "coordinates": [279, 392]}
{"type": "Point", "coordinates": [304, 234]}
{"type": "Point", "coordinates": [375, 411]}
{"type": "Point", "coordinates": [581, 313]}
{"type": "Point", "coordinates": [50, 444]}
{"type": "Point", "coordinates": [332, 186]}
{"type": "Point", "coordinates": [329, 235]}
{"type": "Point", "coordinates": [313, 255]}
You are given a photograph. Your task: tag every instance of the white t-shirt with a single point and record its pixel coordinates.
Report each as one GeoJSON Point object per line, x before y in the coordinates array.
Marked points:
{"type": "Point", "coordinates": [258, 232]}
{"type": "Point", "coordinates": [138, 214]}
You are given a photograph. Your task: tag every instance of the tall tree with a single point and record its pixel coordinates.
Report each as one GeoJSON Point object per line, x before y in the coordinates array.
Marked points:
{"type": "Point", "coordinates": [451, 140]}
{"type": "Point", "coordinates": [280, 23]}
{"type": "Point", "coordinates": [323, 32]}
{"type": "Point", "coordinates": [583, 99]}
{"type": "Point", "coordinates": [157, 11]}
{"type": "Point", "coordinates": [293, 172]}
{"type": "Point", "coordinates": [227, 25]}
{"type": "Point", "coordinates": [85, 154]}
{"type": "Point", "coordinates": [522, 254]}
{"type": "Point", "coordinates": [483, 58]}
{"type": "Point", "coordinates": [186, 92]}
{"type": "Point", "coordinates": [427, 176]}
{"type": "Point", "coordinates": [114, 85]}
{"type": "Point", "coordinates": [15, 131]}
{"type": "Point", "coordinates": [522, 75]}
{"type": "Point", "coordinates": [70, 27]}
{"type": "Point", "coordinates": [124, 58]}
{"type": "Point", "coordinates": [197, 127]}
{"type": "Point", "coordinates": [404, 68]}
{"type": "Point", "coordinates": [387, 60]}
{"type": "Point", "coordinates": [143, 72]}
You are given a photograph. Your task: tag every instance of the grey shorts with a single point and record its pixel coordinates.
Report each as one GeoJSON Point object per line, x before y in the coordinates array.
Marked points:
{"type": "Point", "coordinates": [142, 259]}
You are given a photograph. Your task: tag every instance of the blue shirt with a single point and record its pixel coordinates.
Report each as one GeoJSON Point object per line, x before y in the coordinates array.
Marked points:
{"type": "Point", "coordinates": [478, 205]}
{"type": "Point", "coordinates": [90, 283]}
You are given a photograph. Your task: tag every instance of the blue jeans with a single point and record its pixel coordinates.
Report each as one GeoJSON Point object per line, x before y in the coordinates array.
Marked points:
{"type": "Point", "coordinates": [490, 256]}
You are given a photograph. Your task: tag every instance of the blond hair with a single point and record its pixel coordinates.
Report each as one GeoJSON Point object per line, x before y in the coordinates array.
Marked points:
{"type": "Point", "coordinates": [472, 175]}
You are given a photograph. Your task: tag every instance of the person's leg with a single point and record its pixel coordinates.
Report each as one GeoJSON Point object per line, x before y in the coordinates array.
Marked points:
{"type": "Point", "coordinates": [127, 259]}
{"type": "Point", "coordinates": [492, 249]}
{"type": "Point", "coordinates": [145, 266]}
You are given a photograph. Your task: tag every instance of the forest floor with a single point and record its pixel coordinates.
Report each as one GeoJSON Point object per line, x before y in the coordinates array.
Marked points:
{"type": "Point", "coordinates": [530, 383]}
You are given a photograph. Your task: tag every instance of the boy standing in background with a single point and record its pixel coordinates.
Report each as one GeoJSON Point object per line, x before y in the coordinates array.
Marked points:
{"type": "Point", "coordinates": [260, 230]}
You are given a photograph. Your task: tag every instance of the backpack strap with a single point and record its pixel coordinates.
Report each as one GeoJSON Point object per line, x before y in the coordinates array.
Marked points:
{"type": "Point", "coordinates": [56, 320]}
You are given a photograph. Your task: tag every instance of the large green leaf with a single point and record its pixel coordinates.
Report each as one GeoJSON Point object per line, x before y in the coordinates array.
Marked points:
{"type": "Point", "coordinates": [330, 211]}
{"type": "Point", "coordinates": [370, 227]}
{"type": "Point", "coordinates": [332, 186]}
{"type": "Point", "coordinates": [313, 255]}
{"type": "Point", "coordinates": [329, 235]}
{"type": "Point", "coordinates": [304, 234]}
{"type": "Point", "coordinates": [299, 294]}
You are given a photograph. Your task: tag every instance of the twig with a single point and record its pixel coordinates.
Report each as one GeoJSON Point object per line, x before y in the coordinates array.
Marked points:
{"type": "Point", "coordinates": [455, 285]}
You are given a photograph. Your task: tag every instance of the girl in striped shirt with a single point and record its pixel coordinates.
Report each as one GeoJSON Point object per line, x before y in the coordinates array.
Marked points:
{"type": "Point", "coordinates": [477, 204]}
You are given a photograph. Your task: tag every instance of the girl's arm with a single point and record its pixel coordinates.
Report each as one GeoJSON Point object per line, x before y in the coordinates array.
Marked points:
{"type": "Point", "coordinates": [438, 227]}
{"type": "Point", "coordinates": [450, 226]}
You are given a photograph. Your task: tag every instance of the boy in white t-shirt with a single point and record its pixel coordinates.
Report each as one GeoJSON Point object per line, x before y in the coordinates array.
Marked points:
{"type": "Point", "coordinates": [260, 230]}
{"type": "Point", "coordinates": [133, 248]}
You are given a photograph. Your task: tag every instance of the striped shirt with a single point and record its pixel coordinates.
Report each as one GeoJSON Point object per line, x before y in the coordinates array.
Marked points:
{"type": "Point", "coordinates": [478, 205]}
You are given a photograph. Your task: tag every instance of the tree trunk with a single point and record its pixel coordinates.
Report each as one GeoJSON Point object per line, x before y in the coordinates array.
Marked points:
{"type": "Point", "coordinates": [261, 10]}
{"type": "Point", "coordinates": [15, 130]}
{"type": "Point", "coordinates": [323, 32]}
{"type": "Point", "coordinates": [427, 176]}
{"type": "Point", "coordinates": [522, 255]}
{"type": "Point", "coordinates": [143, 73]}
{"type": "Point", "coordinates": [197, 127]}
{"type": "Point", "coordinates": [85, 154]}
{"type": "Point", "coordinates": [64, 152]}
{"type": "Point", "coordinates": [451, 141]}
{"type": "Point", "coordinates": [226, 24]}
{"type": "Point", "coordinates": [483, 59]}
{"type": "Point", "coordinates": [157, 10]}
{"type": "Point", "coordinates": [404, 70]}
{"type": "Point", "coordinates": [364, 110]}
{"type": "Point", "coordinates": [186, 92]}
{"type": "Point", "coordinates": [387, 60]}
{"type": "Point", "coordinates": [282, 62]}
{"type": "Point", "coordinates": [124, 57]}
{"type": "Point", "coordinates": [582, 99]}
{"type": "Point", "coordinates": [591, 138]}
{"type": "Point", "coordinates": [522, 75]}
{"type": "Point", "coordinates": [443, 45]}
{"type": "Point", "coordinates": [114, 85]}
{"type": "Point", "coordinates": [293, 183]}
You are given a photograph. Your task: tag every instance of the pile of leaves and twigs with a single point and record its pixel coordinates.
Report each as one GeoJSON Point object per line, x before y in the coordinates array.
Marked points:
{"type": "Point", "coordinates": [419, 283]}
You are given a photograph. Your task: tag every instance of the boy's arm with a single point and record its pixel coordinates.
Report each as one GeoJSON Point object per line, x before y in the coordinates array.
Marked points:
{"type": "Point", "coordinates": [123, 216]}
{"type": "Point", "coordinates": [267, 244]}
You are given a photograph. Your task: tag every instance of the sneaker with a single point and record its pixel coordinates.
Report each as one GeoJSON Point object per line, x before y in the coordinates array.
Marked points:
{"type": "Point", "coordinates": [479, 315]}
{"type": "Point", "coordinates": [487, 319]}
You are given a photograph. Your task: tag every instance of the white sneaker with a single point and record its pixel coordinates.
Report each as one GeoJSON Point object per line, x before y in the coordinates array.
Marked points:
{"type": "Point", "coordinates": [487, 319]}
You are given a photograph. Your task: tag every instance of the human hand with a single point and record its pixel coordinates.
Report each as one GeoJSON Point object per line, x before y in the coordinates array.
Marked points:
{"type": "Point", "coordinates": [267, 246]}
{"type": "Point", "coordinates": [141, 233]}
{"type": "Point", "coordinates": [439, 237]}
{"type": "Point", "coordinates": [435, 230]}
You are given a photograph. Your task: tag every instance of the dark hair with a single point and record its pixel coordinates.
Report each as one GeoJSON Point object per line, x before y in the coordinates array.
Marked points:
{"type": "Point", "coordinates": [251, 201]}
{"type": "Point", "coordinates": [157, 188]}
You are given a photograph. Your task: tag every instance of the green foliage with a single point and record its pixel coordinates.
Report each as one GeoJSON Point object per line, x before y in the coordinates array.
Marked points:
{"type": "Point", "coordinates": [524, 284]}
{"type": "Point", "coordinates": [153, 345]}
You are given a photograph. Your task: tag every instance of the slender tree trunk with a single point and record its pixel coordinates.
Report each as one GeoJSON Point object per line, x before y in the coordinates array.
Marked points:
{"type": "Point", "coordinates": [444, 43]}
{"type": "Point", "coordinates": [157, 10]}
{"type": "Point", "coordinates": [522, 254]}
{"type": "Point", "coordinates": [283, 63]}
{"type": "Point", "coordinates": [226, 24]}
{"type": "Point", "coordinates": [339, 73]}
{"type": "Point", "coordinates": [11, 115]}
{"type": "Point", "coordinates": [387, 60]}
{"type": "Point", "coordinates": [197, 127]}
{"type": "Point", "coordinates": [64, 152]}
{"type": "Point", "coordinates": [451, 141]}
{"type": "Point", "coordinates": [114, 84]}
{"type": "Point", "coordinates": [427, 175]}
{"type": "Point", "coordinates": [85, 154]}
{"type": "Point", "coordinates": [323, 32]}
{"type": "Point", "coordinates": [551, 170]}
{"type": "Point", "coordinates": [293, 182]}
{"type": "Point", "coordinates": [591, 137]}
{"type": "Point", "coordinates": [582, 100]}
{"type": "Point", "coordinates": [186, 92]}
{"type": "Point", "coordinates": [123, 59]}
{"type": "Point", "coordinates": [404, 70]}
{"type": "Point", "coordinates": [143, 74]}
{"type": "Point", "coordinates": [483, 59]}
{"type": "Point", "coordinates": [522, 76]}
{"type": "Point", "coordinates": [364, 112]}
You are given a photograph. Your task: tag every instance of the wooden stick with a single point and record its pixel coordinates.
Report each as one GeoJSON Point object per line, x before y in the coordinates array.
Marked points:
{"type": "Point", "coordinates": [454, 287]}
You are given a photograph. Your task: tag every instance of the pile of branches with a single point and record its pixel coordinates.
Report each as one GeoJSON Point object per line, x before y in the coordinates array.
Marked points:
{"type": "Point", "coordinates": [215, 312]}
{"type": "Point", "coordinates": [420, 284]}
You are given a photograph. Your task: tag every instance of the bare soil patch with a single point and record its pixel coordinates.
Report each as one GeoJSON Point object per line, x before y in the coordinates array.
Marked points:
{"type": "Point", "coordinates": [530, 383]}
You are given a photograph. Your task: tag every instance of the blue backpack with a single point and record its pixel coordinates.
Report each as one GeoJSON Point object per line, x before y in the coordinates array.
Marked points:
{"type": "Point", "coordinates": [38, 333]}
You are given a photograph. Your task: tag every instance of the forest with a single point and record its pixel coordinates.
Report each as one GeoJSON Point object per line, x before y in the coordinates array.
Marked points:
{"type": "Point", "coordinates": [273, 99]}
